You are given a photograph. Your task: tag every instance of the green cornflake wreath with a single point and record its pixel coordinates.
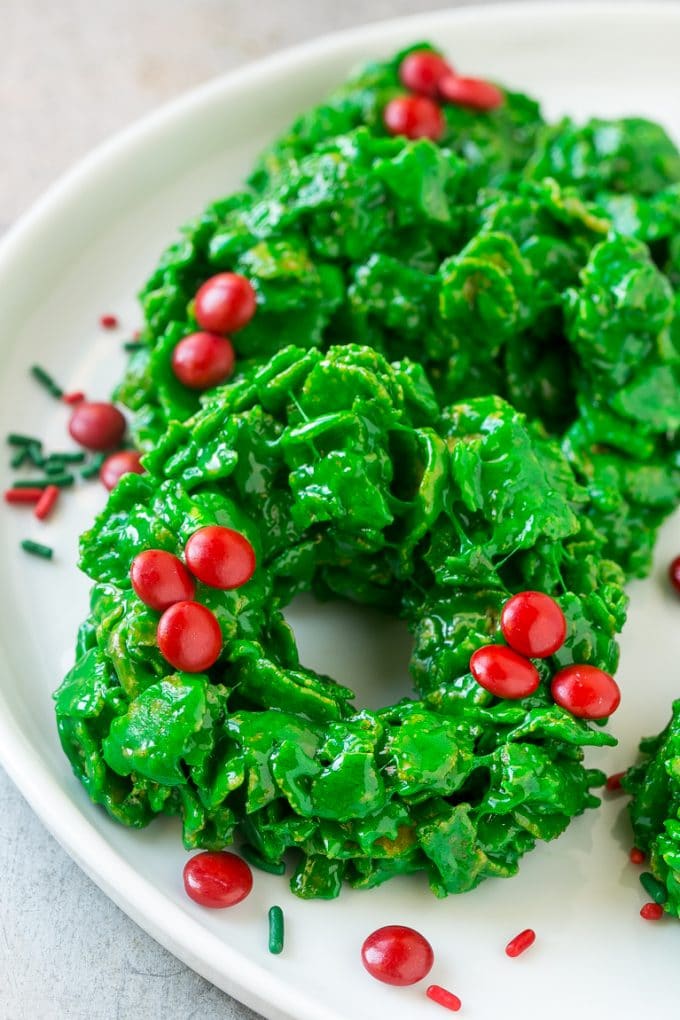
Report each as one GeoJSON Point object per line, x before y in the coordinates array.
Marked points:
{"type": "Point", "coordinates": [505, 417]}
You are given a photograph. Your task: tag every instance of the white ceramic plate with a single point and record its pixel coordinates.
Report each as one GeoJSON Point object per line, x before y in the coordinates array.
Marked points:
{"type": "Point", "coordinates": [85, 249]}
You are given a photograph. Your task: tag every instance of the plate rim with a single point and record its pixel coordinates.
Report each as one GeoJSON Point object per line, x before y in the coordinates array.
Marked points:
{"type": "Point", "coordinates": [184, 936]}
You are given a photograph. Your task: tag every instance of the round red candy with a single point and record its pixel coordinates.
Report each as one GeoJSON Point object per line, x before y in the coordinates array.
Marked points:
{"type": "Point", "coordinates": [651, 912]}
{"type": "Point", "coordinates": [216, 878]}
{"type": "Point", "coordinates": [471, 92]}
{"type": "Point", "coordinates": [503, 672]}
{"type": "Point", "coordinates": [161, 579]}
{"type": "Point", "coordinates": [202, 360]}
{"type": "Point", "coordinates": [533, 624]}
{"type": "Point", "coordinates": [414, 117]}
{"type": "Point", "coordinates": [586, 691]}
{"type": "Point", "coordinates": [97, 426]}
{"type": "Point", "coordinates": [220, 557]}
{"type": "Point", "coordinates": [674, 573]}
{"type": "Point", "coordinates": [189, 637]}
{"type": "Point", "coordinates": [421, 72]}
{"type": "Point", "coordinates": [397, 955]}
{"type": "Point", "coordinates": [125, 462]}
{"type": "Point", "coordinates": [225, 303]}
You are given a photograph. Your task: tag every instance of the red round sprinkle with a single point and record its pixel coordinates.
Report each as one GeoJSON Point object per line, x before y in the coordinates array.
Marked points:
{"type": "Point", "coordinates": [161, 579]}
{"type": "Point", "coordinates": [23, 495]}
{"type": "Point", "coordinates": [125, 462]}
{"type": "Point", "coordinates": [471, 92]}
{"type": "Point", "coordinates": [216, 878]}
{"type": "Point", "coordinates": [45, 505]}
{"type": "Point", "coordinates": [202, 360]}
{"type": "Point", "coordinates": [651, 911]}
{"type": "Point", "coordinates": [108, 321]}
{"type": "Point", "coordinates": [521, 942]}
{"type": "Point", "coordinates": [397, 955]}
{"type": "Point", "coordinates": [586, 691]}
{"type": "Point", "coordinates": [503, 672]}
{"type": "Point", "coordinates": [444, 998]}
{"type": "Point", "coordinates": [97, 426]}
{"type": "Point", "coordinates": [614, 781]}
{"type": "Point", "coordinates": [225, 303]}
{"type": "Point", "coordinates": [220, 557]}
{"type": "Point", "coordinates": [414, 117]}
{"type": "Point", "coordinates": [422, 70]}
{"type": "Point", "coordinates": [189, 637]}
{"type": "Point", "coordinates": [76, 397]}
{"type": "Point", "coordinates": [636, 856]}
{"type": "Point", "coordinates": [533, 624]}
{"type": "Point", "coordinates": [674, 573]}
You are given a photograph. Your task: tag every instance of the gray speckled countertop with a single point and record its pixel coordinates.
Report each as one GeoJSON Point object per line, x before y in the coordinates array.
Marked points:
{"type": "Point", "coordinates": [72, 73]}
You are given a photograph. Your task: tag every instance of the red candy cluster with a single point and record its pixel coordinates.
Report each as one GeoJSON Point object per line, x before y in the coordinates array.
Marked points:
{"type": "Point", "coordinates": [534, 627]}
{"type": "Point", "coordinates": [223, 304]}
{"type": "Point", "coordinates": [188, 633]}
{"type": "Point", "coordinates": [431, 80]}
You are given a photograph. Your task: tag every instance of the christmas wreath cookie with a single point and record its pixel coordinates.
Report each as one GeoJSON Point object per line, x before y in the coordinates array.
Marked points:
{"type": "Point", "coordinates": [342, 475]}
{"type": "Point", "coordinates": [428, 362]}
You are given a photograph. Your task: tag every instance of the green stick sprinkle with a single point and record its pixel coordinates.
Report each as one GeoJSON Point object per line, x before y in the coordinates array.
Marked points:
{"type": "Point", "coordinates": [275, 930]}
{"type": "Point", "coordinates": [40, 483]}
{"type": "Point", "coordinates": [92, 469]}
{"type": "Point", "coordinates": [131, 346]}
{"type": "Point", "coordinates": [257, 861]}
{"type": "Point", "coordinates": [46, 380]}
{"type": "Point", "coordinates": [69, 456]}
{"type": "Point", "coordinates": [654, 888]}
{"type": "Point", "coordinates": [36, 549]}
{"type": "Point", "coordinates": [20, 457]}
{"type": "Point", "coordinates": [16, 439]}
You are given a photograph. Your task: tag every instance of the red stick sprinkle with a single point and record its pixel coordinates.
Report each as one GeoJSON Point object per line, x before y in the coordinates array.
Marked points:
{"type": "Point", "coordinates": [636, 856]}
{"type": "Point", "coordinates": [108, 321]}
{"type": "Point", "coordinates": [23, 495]}
{"type": "Point", "coordinates": [651, 912]}
{"type": "Point", "coordinates": [614, 782]}
{"type": "Point", "coordinates": [443, 998]}
{"type": "Point", "coordinates": [76, 397]}
{"type": "Point", "coordinates": [45, 504]}
{"type": "Point", "coordinates": [521, 942]}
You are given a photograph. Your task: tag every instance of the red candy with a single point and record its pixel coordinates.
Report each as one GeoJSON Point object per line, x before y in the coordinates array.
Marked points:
{"type": "Point", "coordinates": [189, 637]}
{"type": "Point", "coordinates": [225, 303]}
{"type": "Point", "coordinates": [160, 579]}
{"type": "Point", "coordinates": [421, 72]}
{"type": "Point", "coordinates": [220, 557]}
{"type": "Point", "coordinates": [118, 464]}
{"type": "Point", "coordinates": [674, 573]}
{"type": "Point", "coordinates": [521, 942]}
{"type": "Point", "coordinates": [108, 321]}
{"type": "Point", "coordinates": [651, 911]}
{"type": "Point", "coordinates": [47, 502]}
{"type": "Point", "coordinates": [216, 878]}
{"type": "Point", "coordinates": [614, 781]}
{"type": "Point", "coordinates": [636, 856]}
{"type": "Point", "coordinates": [503, 672]}
{"type": "Point", "coordinates": [533, 624]}
{"type": "Point", "coordinates": [397, 955]}
{"type": "Point", "coordinates": [202, 360]}
{"type": "Point", "coordinates": [75, 397]}
{"type": "Point", "coordinates": [471, 92]}
{"type": "Point", "coordinates": [32, 495]}
{"type": "Point", "coordinates": [586, 691]}
{"type": "Point", "coordinates": [444, 998]}
{"type": "Point", "coordinates": [97, 426]}
{"type": "Point", "coordinates": [414, 117]}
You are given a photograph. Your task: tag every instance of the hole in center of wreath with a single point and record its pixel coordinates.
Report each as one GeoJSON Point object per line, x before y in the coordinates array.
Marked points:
{"type": "Point", "coordinates": [361, 648]}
